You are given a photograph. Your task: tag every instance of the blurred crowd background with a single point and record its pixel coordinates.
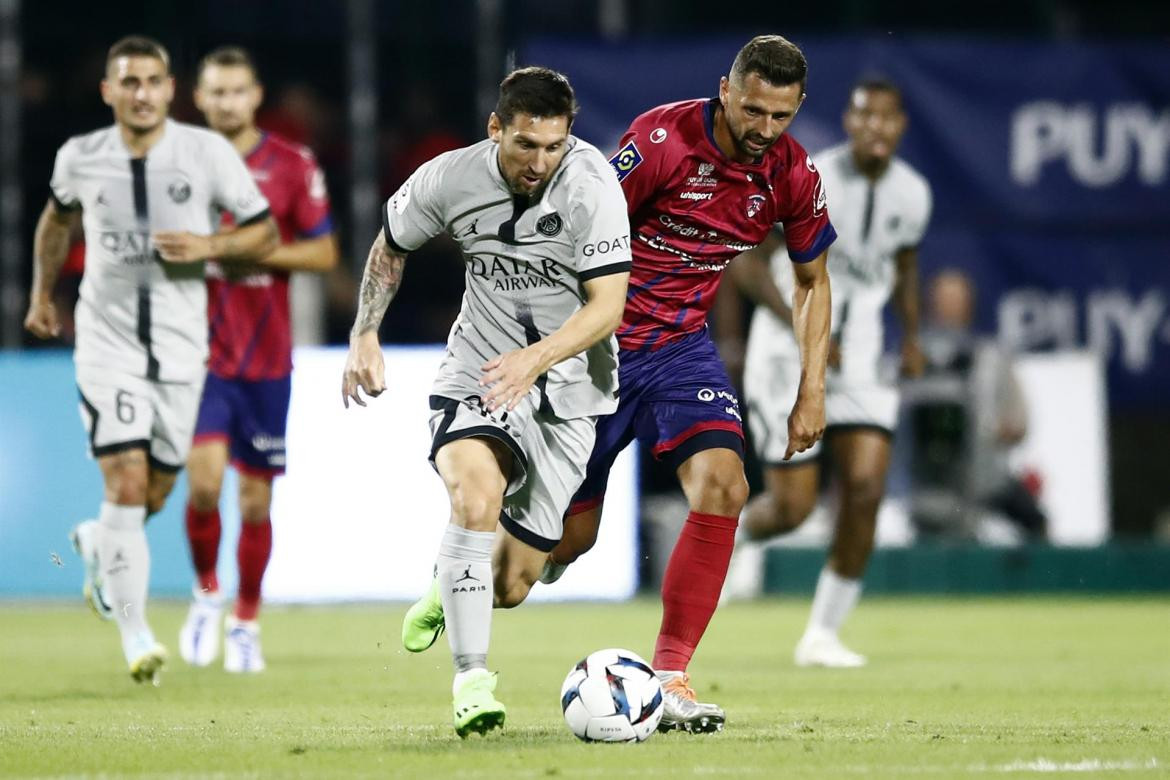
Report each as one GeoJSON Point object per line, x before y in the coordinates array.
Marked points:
{"type": "Point", "coordinates": [376, 88]}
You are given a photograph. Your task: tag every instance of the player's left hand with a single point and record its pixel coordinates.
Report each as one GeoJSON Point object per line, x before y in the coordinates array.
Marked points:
{"type": "Point", "coordinates": [510, 376]}
{"type": "Point", "coordinates": [365, 368]}
{"type": "Point", "coordinates": [806, 424]}
{"type": "Point", "coordinates": [913, 361]}
{"type": "Point", "coordinates": [179, 246]}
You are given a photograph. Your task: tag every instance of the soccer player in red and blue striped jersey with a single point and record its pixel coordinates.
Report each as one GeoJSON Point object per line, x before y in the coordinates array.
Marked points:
{"type": "Point", "coordinates": [243, 413]}
{"type": "Point", "coordinates": [704, 181]}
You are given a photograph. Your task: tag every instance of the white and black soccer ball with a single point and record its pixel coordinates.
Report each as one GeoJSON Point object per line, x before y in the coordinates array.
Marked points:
{"type": "Point", "coordinates": [612, 696]}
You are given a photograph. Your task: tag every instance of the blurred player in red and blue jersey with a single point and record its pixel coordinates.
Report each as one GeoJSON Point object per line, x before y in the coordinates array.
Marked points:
{"type": "Point", "coordinates": [245, 401]}
{"type": "Point", "coordinates": [706, 180]}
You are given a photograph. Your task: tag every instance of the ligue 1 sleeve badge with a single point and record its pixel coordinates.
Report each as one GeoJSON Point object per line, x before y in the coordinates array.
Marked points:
{"type": "Point", "coordinates": [627, 159]}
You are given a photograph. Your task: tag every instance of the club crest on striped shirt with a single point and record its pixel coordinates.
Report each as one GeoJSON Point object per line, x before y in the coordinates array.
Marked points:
{"type": "Point", "coordinates": [754, 204]}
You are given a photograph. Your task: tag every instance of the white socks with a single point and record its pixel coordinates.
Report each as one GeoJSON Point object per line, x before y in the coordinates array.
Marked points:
{"type": "Point", "coordinates": [125, 560]}
{"type": "Point", "coordinates": [834, 600]}
{"type": "Point", "coordinates": [464, 574]}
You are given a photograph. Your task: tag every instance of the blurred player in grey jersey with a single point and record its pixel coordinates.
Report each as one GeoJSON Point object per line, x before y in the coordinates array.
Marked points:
{"type": "Point", "coordinates": [881, 207]}
{"type": "Point", "coordinates": [531, 359]}
{"type": "Point", "coordinates": [145, 189]}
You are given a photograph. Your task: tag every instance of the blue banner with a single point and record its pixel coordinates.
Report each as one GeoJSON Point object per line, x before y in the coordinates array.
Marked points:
{"type": "Point", "coordinates": [1050, 164]}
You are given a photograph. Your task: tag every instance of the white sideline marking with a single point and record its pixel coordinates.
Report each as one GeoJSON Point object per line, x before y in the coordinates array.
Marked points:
{"type": "Point", "coordinates": [1084, 765]}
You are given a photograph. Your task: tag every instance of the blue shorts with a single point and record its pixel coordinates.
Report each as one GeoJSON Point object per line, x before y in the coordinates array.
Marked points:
{"type": "Point", "coordinates": [676, 401]}
{"type": "Point", "coordinates": [251, 417]}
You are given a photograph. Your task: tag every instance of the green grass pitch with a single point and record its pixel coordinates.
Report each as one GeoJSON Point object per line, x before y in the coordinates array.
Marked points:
{"type": "Point", "coordinates": [955, 688]}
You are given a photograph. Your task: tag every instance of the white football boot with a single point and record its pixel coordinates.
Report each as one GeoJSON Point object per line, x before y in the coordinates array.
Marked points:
{"type": "Point", "coordinates": [199, 636]}
{"type": "Point", "coordinates": [145, 656]}
{"type": "Point", "coordinates": [822, 648]}
{"type": "Point", "coordinates": [84, 540]}
{"type": "Point", "coordinates": [241, 646]}
{"type": "Point", "coordinates": [681, 711]}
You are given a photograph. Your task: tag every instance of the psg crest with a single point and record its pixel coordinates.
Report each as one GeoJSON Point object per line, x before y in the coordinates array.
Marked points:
{"type": "Point", "coordinates": [549, 225]}
{"type": "Point", "coordinates": [179, 191]}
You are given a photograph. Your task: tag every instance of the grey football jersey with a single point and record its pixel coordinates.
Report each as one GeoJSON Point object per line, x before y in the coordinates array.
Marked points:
{"type": "Point", "coordinates": [137, 313]}
{"type": "Point", "coordinates": [874, 220]}
{"type": "Point", "coordinates": [525, 259]}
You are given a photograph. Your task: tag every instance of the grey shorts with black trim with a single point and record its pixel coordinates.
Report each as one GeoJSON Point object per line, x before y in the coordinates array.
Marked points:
{"type": "Point", "coordinates": [549, 456]}
{"type": "Point", "coordinates": [122, 412]}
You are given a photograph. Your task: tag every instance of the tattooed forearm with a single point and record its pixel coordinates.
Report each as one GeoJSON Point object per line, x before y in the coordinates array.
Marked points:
{"type": "Point", "coordinates": [380, 282]}
{"type": "Point", "coordinates": [51, 249]}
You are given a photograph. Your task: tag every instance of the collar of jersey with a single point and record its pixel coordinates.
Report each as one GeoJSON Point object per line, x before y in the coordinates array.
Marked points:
{"type": "Point", "coordinates": [168, 131]}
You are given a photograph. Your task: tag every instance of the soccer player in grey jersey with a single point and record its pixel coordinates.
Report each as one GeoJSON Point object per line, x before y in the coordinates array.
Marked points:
{"type": "Point", "coordinates": [531, 359]}
{"type": "Point", "coordinates": [145, 189]}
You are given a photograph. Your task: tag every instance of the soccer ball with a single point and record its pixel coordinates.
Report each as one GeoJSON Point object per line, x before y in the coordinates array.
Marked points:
{"type": "Point", "coordinates": [612, 696]}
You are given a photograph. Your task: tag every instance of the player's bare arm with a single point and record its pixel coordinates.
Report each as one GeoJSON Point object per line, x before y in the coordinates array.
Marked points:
{"type": "Point", "coordinates": [810, 320]}
{"type": "Point", "coordinates": [246, 243]}
{"type": "Point", "coordinates": [752, 276]}
{"type": "Point", "coordinates": [364, 366]}
{"type": "Point", "coordinates": [317, 254]}
{"type": "Point", "coordinates": [50, 249]}
{"type": "Point", "coordinates": [906, 305]}
{"type": "Point", "coordinates": [511, 375]}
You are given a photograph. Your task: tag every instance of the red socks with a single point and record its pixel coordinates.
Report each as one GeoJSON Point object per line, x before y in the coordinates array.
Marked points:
{"type": "Point", "coordinates": [690, 589]}
{"type": "Point", "coordinates": [203, 531]}
{"type": "Point", "coordinates": [252, 555]}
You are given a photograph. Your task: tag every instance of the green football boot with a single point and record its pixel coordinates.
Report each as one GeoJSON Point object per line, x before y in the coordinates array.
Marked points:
{"type": "Point", "coordinates": [476, 708]}
{"type": "Point", "coordinates": [424, 621]}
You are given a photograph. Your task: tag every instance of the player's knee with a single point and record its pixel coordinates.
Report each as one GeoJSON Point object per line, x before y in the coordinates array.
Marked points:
{"type": "Point", "coordinates": [793, 509]}
{"type": "Point", "coordinates": [475, 510]}
{"type": "Point", "coordinates": [864, 492]}
{"type": "Point", "coordinates": [127, 486]}
{"type": "Point", "coordinates": [720, 491]}
{"type": "Point", "coordinates": [204, 491]}
{"type": "Point", "coordinates": [788, 512]}
{"type": "Point", "coordinates": [255, 503]}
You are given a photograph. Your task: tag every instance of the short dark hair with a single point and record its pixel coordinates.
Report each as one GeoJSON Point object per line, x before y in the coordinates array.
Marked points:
{"type": "Point", "coordinates": [874, 83]}
{"type": "Point", "coordinates": [773, 58]}
{"type": "Point", "coordinates": [139, 46]}
{"type": "Point", "coordinates": [228, 56]}
{"type": "Point", "coordinates": [536, 91]}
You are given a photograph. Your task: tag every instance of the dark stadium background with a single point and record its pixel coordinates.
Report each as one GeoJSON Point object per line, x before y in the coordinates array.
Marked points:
{"type": "Point", "coordinates": [433, 63]}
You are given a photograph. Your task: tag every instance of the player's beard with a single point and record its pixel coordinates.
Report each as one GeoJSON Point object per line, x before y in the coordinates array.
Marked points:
{"type": "Point", "coordinates": [139, 126]}
{"type": "Point", "coordinates": [756, 154]}
{"type": "Point", "coordinates": [229, 126]}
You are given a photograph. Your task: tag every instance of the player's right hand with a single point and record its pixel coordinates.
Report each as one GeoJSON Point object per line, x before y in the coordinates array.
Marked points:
{"type": "Point", "coordinates": [364, 368]}
{"type": "Point", "coordinates": [41, 320]}
{"type": "Point", "coordinates": [806, 424]}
